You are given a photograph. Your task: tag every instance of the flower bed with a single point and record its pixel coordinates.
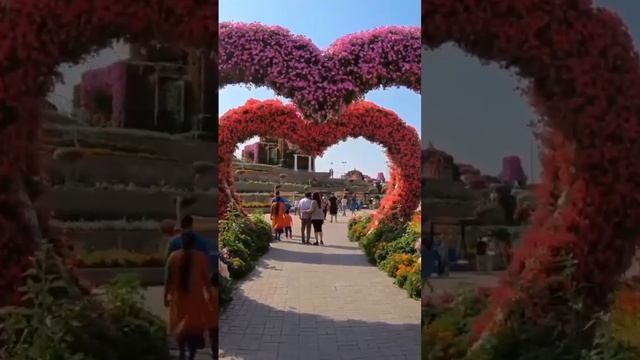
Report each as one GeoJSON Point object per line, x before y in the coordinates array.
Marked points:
{"type": "Point", "coordinates": [57, 322]}
{"type": "Point", "coordinates": [120, 258]}
{"type": "Point", "coordinates": [391, 247]}
{"type": "Point", "coordinates": [243, 241]}
{"type": "Point", "coordinates": [256, 204]}
{"type": "Point", "coordinates": [448, 325]}
{"type": "Point", "coordinates": [113, 204]}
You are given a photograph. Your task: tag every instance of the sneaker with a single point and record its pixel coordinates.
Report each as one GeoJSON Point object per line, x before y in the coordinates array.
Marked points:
{"type": "Point", "coordinates": [321, 242]}
{"type": "Point", "coordinates": [315, 243]}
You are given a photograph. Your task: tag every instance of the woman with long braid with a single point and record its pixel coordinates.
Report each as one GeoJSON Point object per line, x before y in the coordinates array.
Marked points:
{"type": "Point", "coordinates": [189, 296]}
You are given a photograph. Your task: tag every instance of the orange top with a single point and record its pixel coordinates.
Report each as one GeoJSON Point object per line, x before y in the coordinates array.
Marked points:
{"type": "Point", "coordinates": [194, 311]}
{"type": "Point", "coordinates": [277, 215]}
{"type": "Point", "coordinates": [288, 220]}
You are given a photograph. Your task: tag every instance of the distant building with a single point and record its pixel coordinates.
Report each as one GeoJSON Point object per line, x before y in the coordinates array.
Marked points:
{"type": "Point", "coordinates": [278, 152]}
{"type": "Point", "coordinates": [354, 175]}
{"type": "Point", "coordinates": [437, 164]}
{"type": "Point", "coordinates": [158, 88]}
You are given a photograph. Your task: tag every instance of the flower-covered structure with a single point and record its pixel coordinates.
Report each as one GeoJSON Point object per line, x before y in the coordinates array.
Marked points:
{"type": "Point", "coordinates": [360, 119]}
{"type": "Point", "coordinates": [36, 36]}
{"type": "Point", "coordinates": [512, 171]}
{"type": "Point", "coordinates": [320, 83]}
{"type": "Point", "coordinates": [577, 60]}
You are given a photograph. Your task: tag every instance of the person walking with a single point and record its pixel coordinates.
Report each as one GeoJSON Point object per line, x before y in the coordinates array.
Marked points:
{"type": "Point", "coordinates": [333, 208]}
{"type": "Point", "coordinates": [317, 217]}
{"type": "Point", "coordinates": [325, 206]}
{"type": "Point", "coordinates": [354, 206]}
{"type": "Point", "coordinates": [343, 204]}
{"type": "Point", "coordinates": [189, 295]}
{"type": "Point", "coordinates": [483, 259]}
{"type": "Point", "coordinates": [288, 223]}
{"type": "Point", "coordinates": [278, 221]}
{"type": "Point", "coordinates": [305, 217]}
{"type": "Point", "coordinates": [208, 248]}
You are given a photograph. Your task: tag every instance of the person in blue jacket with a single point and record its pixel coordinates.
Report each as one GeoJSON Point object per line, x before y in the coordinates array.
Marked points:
{"type": "Point", "coordinates": [283, 200]}
{"type": "Point", "coordinates": [210, 248]}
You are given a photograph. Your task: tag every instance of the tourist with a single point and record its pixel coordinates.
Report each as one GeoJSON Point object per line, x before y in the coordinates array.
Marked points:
{"type": "Point", "coordinates": [428, 254]}
{"type": "Point", "coordinates": [333, 208]}
{"type": "Point", "coordinates": [281, 199]}
{"type": "Point", "coordinates": [442, 248]}
{"type": "Point", "coordinates": [191, 300]}
{"type": "Point", "coordinates": [325, 206]}
{"type": "Point", "coordinates": [209, 249]}
{"type": "Point", "coordinates": [278, 220]}
{"type": "Point", "coordinates": [317, 217]}
{"type": "Point", "coordinates": [288, 223]}
{"type": "Point", "coordinates": [343, 204]}
{"type": "Point", "coordinates": [296, 202]}
{"type": "Point", "coordinates": [305, 218]}
{"type": "Point", "coordinates": [354, 206]}
{"type": "Point", "coordinates": [483, 259]}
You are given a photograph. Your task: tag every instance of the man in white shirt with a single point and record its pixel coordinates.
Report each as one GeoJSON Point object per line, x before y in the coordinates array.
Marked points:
{"type": "Point", "coordinates": [344, 204]}
{"type": "Point", "coordinates": [305, 217]}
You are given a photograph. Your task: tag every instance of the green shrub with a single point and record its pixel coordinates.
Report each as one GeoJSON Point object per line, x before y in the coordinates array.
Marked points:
{"type": "Point", "coordinates": [358, 227]}
{"type": "Point", "coordinates": [226, 292]}
{"type": "Point", "coordinates": [57, 323]}
{"type": "Point", "coordinates": [246, 239]}
{"type": "Point", "coordinates": [446, 328]}
{"type": "Point", "coordinates": [376, 240]}
{"type": "Point", "coordinates": [403, 245]}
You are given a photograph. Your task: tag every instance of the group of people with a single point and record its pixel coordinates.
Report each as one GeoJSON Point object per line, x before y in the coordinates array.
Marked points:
{"type": "Point", "coordinates": [191, 291]}
{"type": "Point", "coordinates": [312, 211]}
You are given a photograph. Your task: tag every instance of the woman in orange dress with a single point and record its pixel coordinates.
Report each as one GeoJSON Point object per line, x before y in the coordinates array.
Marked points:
{"type": "Point", "coordinates": [189, 296]}
{"type": "Point", "coordinates": [278, 220]}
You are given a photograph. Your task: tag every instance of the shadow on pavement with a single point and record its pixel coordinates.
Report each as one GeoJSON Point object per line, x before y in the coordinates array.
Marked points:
{"type": "Point", "coordinates": [262, 332]}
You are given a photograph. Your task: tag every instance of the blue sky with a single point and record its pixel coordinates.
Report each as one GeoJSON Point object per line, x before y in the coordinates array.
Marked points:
{"type": "Point", "coordinates": [472, 111]}
{"type": "Point", "coordinates": [324, 22]}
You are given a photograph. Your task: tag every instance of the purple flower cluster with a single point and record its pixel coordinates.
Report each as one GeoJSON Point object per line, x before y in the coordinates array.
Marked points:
{"type": "Point", "coordinates": [320, 83]}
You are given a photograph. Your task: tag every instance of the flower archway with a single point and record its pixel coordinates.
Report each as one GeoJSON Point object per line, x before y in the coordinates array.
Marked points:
{"type": "Point", "coordinates": [36, 36]}
{"type": "Point", "coordinates": [320, 83]}
{"type": "Point", "coordinates": [584, 79]}
{"type": "Point", "coordinates": [360, 119]}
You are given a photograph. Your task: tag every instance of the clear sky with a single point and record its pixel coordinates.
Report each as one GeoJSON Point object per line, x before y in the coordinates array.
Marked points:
{"type": "Point", "coordinates": [472, 112]}
{"type": "Point", "coordinates": [324, 22]}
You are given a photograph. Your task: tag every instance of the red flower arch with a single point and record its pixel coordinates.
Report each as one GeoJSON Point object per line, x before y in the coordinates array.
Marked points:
{"type": "Point", "coordinates": [360, 119]}
{"type": "Point", "coordinates": [36, 36]}
{"type": "Point", "coordinates": [584, 79]}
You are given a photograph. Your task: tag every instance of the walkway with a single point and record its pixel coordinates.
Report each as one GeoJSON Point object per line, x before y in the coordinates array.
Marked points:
{"type": "Point", "coordinates": [320, 302]}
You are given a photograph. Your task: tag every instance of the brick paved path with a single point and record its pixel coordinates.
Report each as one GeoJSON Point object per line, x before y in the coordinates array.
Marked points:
{"type": "Point", "coordinates": [314, 302]}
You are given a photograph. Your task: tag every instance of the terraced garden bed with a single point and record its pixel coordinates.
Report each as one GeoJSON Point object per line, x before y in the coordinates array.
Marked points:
{"type": "Point", "coordinates": [112, 204]}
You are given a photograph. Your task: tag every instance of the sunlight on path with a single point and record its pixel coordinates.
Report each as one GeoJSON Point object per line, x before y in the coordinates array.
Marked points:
{"type": "Point", "coordinates": [320, 302]}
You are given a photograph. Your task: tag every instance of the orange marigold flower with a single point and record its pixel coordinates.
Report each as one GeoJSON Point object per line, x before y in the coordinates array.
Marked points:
{"type": "Point", "coordinates": [629, 301]}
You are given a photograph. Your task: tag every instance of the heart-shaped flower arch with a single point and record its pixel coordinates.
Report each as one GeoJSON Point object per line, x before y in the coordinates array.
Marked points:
{"type": "Point", "coordinates": [320, 83]}
{"type": "Point", "coordinates": [360, 119]}
{"type": "Point", "coordinates": [584, 78]}
{"type": "Point", "coordinates": [36, 36]}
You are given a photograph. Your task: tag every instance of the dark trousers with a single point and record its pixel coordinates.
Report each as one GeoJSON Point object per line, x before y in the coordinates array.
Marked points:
{"type": "Point", "coordinates": [306, 230]}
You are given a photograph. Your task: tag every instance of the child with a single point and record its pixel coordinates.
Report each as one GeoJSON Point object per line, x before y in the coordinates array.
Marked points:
{"type": "Point", "coordinates": [288, 222]}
